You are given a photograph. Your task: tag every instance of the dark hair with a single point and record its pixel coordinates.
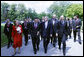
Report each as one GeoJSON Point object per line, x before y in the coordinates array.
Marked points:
{"type": "Point", "coordinates": [36, 18]}
{"type": "Point", "coordinates": [68, 19]}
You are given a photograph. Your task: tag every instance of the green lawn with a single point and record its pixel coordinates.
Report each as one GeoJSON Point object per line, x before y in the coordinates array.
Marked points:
{"type": "Point", "coordinates": [4, 40]}
{"type": "Point", "coordinates": [2, 24]}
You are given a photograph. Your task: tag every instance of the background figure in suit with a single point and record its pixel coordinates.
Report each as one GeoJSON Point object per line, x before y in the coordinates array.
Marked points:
{"type": "Point", "coordinates": [69, 27]}
{"type": "Point", "coordinates": [76, 28]}
{"type": "Point", "coordinates": [29, 25]}
{"type": "Point", "coordinates": [45, 34]}
{"type": "Point", "coordinates": [54, 30]}
{"type": "Point", "coordinates": [25, 28]}
{"type": "Point", "coordinates": [40, 26]}
{"type": "Point", "coordinates": [39, 35]}
{"type": "Point", "coordinates": [35, 35]}
{"type": "Point", "coordinates": [8, 31]}
{"type": "Point", "coordinates": [62, 34]}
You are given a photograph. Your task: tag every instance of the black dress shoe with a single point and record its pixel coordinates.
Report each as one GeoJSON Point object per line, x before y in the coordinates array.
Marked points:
{"type": "Point", "coordinates": [25, 44]}
{"type": "Point", "coordinates": [64, 54]}
{"type": "Point", "coordinates": [59, 48]}
{"type": "Point", "coordinates": [37, 49]}
{"type": "Point", "coordinates": [35, 52]}
{"type": "Point", "coordinates": [45, 51]}
{"type": "Point", "coordinates": [74, 40]}
{"type": "Point", "coordinates": [53, 45]}
{"type": "Point", "coordinates": [51, 42]}
{"type": "Point", "coordinates": [79, 42]}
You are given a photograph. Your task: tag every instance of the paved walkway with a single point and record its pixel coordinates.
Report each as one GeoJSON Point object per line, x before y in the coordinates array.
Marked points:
{"type": "Point", "coordinates": [72, 49]}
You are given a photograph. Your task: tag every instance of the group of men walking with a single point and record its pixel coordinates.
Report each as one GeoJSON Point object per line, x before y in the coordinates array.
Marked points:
{"type": "Point", "coordinates": [49, 30]}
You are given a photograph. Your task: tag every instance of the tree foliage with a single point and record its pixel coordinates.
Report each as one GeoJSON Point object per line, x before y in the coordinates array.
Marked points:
{"type": "Point", "coordinates": [75, 9]}
{"type": "Point", "coordinates": [16, 11]}
{"type": "Point", "coordinates": [20, 12]}
{"type": "Point", "coordinates": [58, 8]}
{"type": "Point", "coordinates": [4, 7]}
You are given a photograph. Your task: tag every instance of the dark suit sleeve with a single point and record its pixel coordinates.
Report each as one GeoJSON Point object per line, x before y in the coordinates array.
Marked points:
{"type": "Point", "coordinates": [39, 26]}
{"type": "Point", "coordinates": [73, 23]}
{"type": "Point", "coordinates": [70, 25]}
{"type": "Point", "coordinates": [80, 23]}
{"type": "Point", "coordinates": [57, 27]}
{"type": "Point", "coordinates": [5, 29]}
{"type": "Point", "coordinates": [11, 28]}
{"type": "Point", "coordinates": [66, 28]}
{"type": "Point", "coordinates": [31, 27]}
{"type": "Point", "coordinates": [50, 27]}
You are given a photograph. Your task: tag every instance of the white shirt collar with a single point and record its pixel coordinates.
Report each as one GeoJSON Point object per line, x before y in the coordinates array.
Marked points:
{"type": "Point", "coordinates": [46, 24]}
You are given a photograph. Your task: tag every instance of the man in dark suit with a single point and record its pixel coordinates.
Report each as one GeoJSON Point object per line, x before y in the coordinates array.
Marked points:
{"type": "Point", "coordinates": [40, 25]}
{"type": "Point", "coordinates": [26, 27]}
{"type": "Point", "coordinates": [69, 27]}
{"type": "Point", "coordinates": [62, 34]}
{"type": "Point", "coordinates": [76, 28]}
{"type": "Point", "coordinates": [29, 30]}
{"type": "Point", "coordinates": [8, 31]}
{"type": "Point", "coordinates": [45, 34]}
{"type": "Point", "coordinates": [35, 35]}
{"type": "Point", "coordinates": [54, 30]}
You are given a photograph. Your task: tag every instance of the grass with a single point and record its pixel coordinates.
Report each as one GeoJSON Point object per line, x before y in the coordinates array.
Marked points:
{"type": "Point", "coordinates": [4, 39]}
{"type": "Point", "coordinates": [2, 24]}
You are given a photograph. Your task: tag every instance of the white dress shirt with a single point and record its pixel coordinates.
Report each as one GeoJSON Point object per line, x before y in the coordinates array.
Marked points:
{"type": "Point", "coordinates": [68, 23]}
{"type": "Point", "coordinates": [53, 22]}
{"type": "Point", "coordinates": [46, 24]}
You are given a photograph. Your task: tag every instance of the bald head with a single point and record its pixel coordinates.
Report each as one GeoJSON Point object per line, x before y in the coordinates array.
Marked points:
{"type": "Point", "coordinates": [46, 18]}
{"type": "Point", "coordinates": [62, 17]}
{"type": "Point", "coordinates": [70, 18]}
{"type": "Point", "coordinates": [35, 20]}
{"type": "Point", "coordinates": [75, 17]}
{"type": "Point", "coordinates": [54, 16]}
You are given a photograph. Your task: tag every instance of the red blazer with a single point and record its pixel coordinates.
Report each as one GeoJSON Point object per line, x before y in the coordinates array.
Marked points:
{"type": "Point", "coordinates": [17, 38]}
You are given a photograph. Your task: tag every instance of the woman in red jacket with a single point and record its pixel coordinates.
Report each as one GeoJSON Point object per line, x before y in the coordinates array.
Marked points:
{"type": "Point", "coordinates": [17, 36]}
